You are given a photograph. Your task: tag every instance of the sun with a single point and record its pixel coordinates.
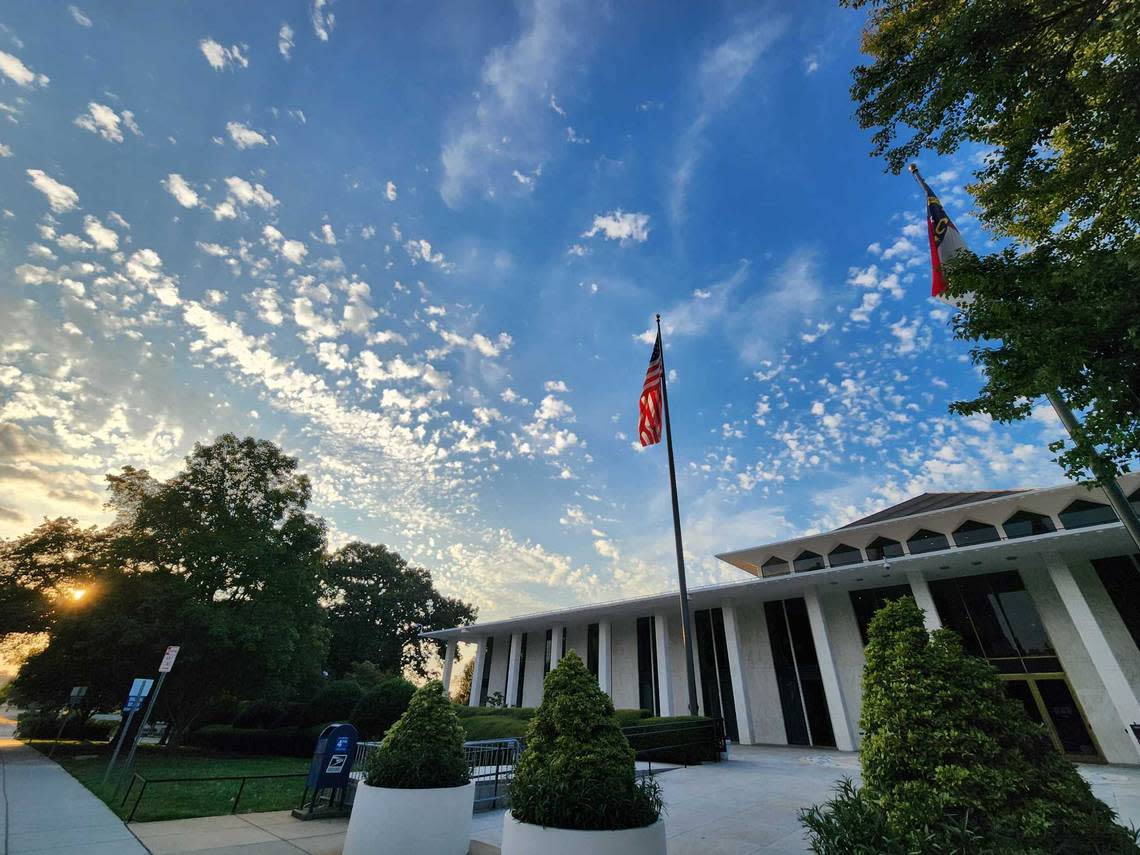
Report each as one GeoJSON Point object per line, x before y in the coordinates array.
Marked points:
{"type": "Point", "coordinates": [78, 594]}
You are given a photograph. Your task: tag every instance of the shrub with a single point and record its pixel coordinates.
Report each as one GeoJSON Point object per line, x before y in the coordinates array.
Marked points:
{"type": "Point", "coordinates": [291, 715]}
{"type": "Point", "coordinates": [378, 709]}
{"type": "Point", "coordinates": [261, 713]}
{"type": "Point", "coordinates": [42, 724]}
{"type": "Point", "coordinates": [332, 703]}
{"type": "Point", "coordinates": [493, 727]}
{"type": "Point", "coordinates": [424, 749]}
{"type": "Point", "coordinates": [578, 768]}
{"type": "Point", "coordinates": [280, 742]}
{"type": "Point", "coordinates": [948, 758]}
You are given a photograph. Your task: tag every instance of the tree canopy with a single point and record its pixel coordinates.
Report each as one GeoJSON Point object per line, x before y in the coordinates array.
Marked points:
{"type": "Point", "coordinates": [1048, 85]}
{"type": "Point", "coordinates": [224, 560]}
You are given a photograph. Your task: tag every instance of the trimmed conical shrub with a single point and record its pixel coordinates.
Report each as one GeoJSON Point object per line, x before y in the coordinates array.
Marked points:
{"type": "Point", "coordinates": [424, 748]}
{"type": "Point", "coordinates": [951, 763]}
{"type": "Point", "coordinates": [578, 768]}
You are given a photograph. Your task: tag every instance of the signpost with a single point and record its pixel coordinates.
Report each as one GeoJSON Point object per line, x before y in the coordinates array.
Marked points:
{"type": "Point", "coordinates": [163, 669]}
{"type": "Point", "coordinates": [75, 699]}
{"type": "Point", "coordinates": [140, 688]}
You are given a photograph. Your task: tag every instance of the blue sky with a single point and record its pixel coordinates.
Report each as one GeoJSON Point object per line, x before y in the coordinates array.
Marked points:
{"type": "Point", "coordinates": [420, 249]}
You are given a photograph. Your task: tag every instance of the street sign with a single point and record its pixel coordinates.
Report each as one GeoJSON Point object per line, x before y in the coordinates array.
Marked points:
{"type": "Point", "coordinates": [141, 686]}
{"type": "Point", "coordinates": [77, 694]}
{"type": "Point", "coordinates": [168, 659]}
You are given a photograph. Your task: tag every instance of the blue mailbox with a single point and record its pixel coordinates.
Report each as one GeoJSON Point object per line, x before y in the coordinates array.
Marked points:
{"type": "Point", "coordinates": [329, 773]}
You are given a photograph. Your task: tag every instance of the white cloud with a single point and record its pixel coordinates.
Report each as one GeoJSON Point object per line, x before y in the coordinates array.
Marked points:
{"type": "Point", "coordinates": [420, 250]}
{"type": "Point", "coordinates": [555, 386]}
{"type": "Point", "coordinates": [328, 236]}
{"type": "Point", "coordinates": [508, 126]}
{"type": "Point", "coordinates": [243, 193]}
{"type": "Point", "coordinates": [293, 251]}
{"type": "Point", "coordinates": [244, 136]}
{"type": "Point", "coordinates": [14, 69]}
{"type": "Point", "coordinates": [285, 41]}
{"type": "Point", "coordinates": [323, 20]}
{"type": "Point", "coordinates": [221, 57]}
{"type": "Point", "coordinates": [183, 193]}
{"type": "Point", "coordinates": [624, 227]}
{"type": "Point", "coordinates": [268, 305]}
{"type": "Point", "coordinates": [390, 191]}
{"type": "Point", "coordinates": [102, 120]}
{"type": "Point", "coordinates": [5, 151]}
{"type": "Point", "coordinates": [60, 197]}
{"type": "Point", "coordinates": [104, 238]}
{"type": "Point", "coordinates": [78, 16]}
{"type": "Point", "coordinates": [719, 76]}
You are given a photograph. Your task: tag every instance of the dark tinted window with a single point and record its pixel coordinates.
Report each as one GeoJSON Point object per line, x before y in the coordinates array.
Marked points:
{"type": "Point", "coordinates": [592, 648]}
{"type": "Point", "coordinates": [869, 600]}
{"type": "Point", "coordinates": [1081, 513]}
{"type": "Point", "coordinates": [883, 547]}
{"type": "Point", "coordinates": [647, 665]}
{"type": "Point", "coordinates": [843, 555]}
{"type": "Point", "coordinates": [925, 540]}
{"type": "Point", "coordinates": [1026, 523]}
{"type": "Point", "coordinates": [549, 650]}
{"type": "Point", "coordinates": [807, 561]}
{"type": "Point", "coordinates": [971, 532]}
{"type": "Point", "coordinates": [485, 679]}
{"type": "Point", "coordinates": [522, 671]}
{"type": "Point", "coordinates": [1122, 581]}
{"type": "Point", "coordinates": [774, 567]}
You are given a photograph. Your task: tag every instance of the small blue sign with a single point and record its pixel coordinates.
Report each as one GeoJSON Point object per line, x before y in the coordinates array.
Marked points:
{"type": "Point", "coordinates": [332, 758]}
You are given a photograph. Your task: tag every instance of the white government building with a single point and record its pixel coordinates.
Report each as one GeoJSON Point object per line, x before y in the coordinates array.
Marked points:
{"type": "Point", "coordinates": [1042, 583]}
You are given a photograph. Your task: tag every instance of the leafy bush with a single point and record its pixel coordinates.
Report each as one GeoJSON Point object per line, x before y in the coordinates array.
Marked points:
{"type": "Point", "coordinates": [280, 742]}
{"type": "Point", "coordinates": [578, 769]}
{"type": "Point", "coordinates": [378, 709]}
{"type": "Point", "coordinates": [261, 713]}
{"type": "Point", "coordinates": [41, 724]}
{"type": "Point", "coordinates": [951, 763]}
{"type": "Point", "coordinates": [291, 715]}
{"type": "Point", "coordinates": [493, 727]}
{"type": "Point", "coordinates": [630, 717]}
{"type": "Point", "coordinates": [518, 713]}
{"type": "Point", "coordinates": [424, 749]}
{"type": "Point", "coordinates": [334, 702]}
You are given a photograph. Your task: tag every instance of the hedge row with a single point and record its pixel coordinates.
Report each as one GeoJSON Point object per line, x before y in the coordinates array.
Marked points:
{"type": "Point", "coordinates": [41, 725]}
{"type": "Point", "coordinates": [279, 741]}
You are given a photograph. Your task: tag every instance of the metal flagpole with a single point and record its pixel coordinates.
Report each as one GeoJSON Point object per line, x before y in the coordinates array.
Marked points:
{"type": "Point", "coordinates": [686, 616]}
{"type": "Point", "coordinates": [1124, 510]}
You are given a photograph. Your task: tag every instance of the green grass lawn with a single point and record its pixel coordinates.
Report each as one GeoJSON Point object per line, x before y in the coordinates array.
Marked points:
{"type": "Point", "coordinates": [88, 761]}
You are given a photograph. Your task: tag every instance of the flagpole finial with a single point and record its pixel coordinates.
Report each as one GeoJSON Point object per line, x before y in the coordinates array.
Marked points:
{"type": "Point", "coordinates": [913, 167]}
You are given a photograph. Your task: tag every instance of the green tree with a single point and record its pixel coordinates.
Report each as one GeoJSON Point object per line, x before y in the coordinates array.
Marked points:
{"type": "Point", "coordinates": [47, 572]}
{"type": "Point", "coordinates": [578, 767]}
{"type": "Point", "coordinates": [378, 605]}
{"type": "Point", "coordinates": [949, 759]}
{"type": "Point", "coordinates": [463, 693]}
{"type": "Point", "coordinates": [1049, 88]}
{"type": "Point", "coordinates": [1041, 323]}
{"type": "Point", "coordinates": [1048, 85]}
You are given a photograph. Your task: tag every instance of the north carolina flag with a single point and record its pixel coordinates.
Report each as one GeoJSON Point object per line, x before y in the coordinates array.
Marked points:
{"type": "Point", "coordinates": [945, 241]}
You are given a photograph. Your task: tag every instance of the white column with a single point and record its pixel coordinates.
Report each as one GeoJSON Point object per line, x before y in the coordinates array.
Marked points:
{"type": "Point", "coordinates": [836, 706]}
{"type": "Point", "coordinates": [556, 651]}
{"type": "Point", "coordinates": [1107, 666]}
{"type": "Point", "coordinates": [921, 591]}
{"type": "Point", "coordinates": [477, 672]}
{"type": "Point", "coordinates": [448, 663]}
{"type": "Point", "coordinates": [513, 668]}
{"type": "Point", "coordinates": [604, 656]}
{"type": "Point", "coordinates": [736, 672]}
{"type": "Point", "coordinates": [664, 689]}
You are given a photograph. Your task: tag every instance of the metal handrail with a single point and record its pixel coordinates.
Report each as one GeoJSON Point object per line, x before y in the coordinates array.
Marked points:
{"type": "Point", "coordinates": [237, 798]}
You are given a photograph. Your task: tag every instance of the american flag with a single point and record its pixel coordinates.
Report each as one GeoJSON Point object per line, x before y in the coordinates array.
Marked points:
{"type": "Point", "coordinates": [649, 424]}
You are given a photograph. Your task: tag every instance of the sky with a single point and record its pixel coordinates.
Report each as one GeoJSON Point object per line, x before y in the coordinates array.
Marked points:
{"type": "Point", "coordinates": [421, 248]}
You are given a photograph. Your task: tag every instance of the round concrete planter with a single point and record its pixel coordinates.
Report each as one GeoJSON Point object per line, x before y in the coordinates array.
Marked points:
{"type": "Point", "coordinates": [522, 838]}
{"type": "Point", "coordinates": [427, 821]}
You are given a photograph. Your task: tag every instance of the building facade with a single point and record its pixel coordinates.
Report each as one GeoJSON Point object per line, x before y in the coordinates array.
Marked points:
{"type": "Point", "coordinates": [1044, 584]}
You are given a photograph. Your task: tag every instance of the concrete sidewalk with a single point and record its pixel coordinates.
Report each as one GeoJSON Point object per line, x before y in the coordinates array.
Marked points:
{"type": "Point", "coordinates": [48, 812]}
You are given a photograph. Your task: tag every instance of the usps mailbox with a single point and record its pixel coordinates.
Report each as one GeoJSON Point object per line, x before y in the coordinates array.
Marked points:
{"type": "Point", "coordinates": [327, 783]}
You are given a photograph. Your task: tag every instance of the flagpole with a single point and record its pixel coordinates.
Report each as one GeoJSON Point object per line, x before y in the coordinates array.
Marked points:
{"type": "Point", "coordinates": [686, 617]}
{"type": "Point", "coordinates": [1116, 497]}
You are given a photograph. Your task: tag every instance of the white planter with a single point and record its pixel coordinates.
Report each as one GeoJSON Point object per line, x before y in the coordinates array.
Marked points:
{"type": "Point", "coordinates": [430, 821]}
{"type": "Point", "coordinates": [522, 838]}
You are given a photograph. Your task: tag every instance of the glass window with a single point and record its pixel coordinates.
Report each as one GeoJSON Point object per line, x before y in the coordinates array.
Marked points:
{"type": "Point", "coordinates": [1026, 523]}
{"type": "Point", "coordinates": [548, 652]}
{"type": "Point", "coordinates": [807, 561]}
{"type": "Point", "coordinates": [647, 665]}
{"type": "Point", "coordinates": [925, 540]}
{"type": "Point", "coordinates": [485, 679]}
{"type": "Point", "coordinates": [787, 680]}
{"type": "Point", "coordinates": [1081, 514]}
{"type": "Point", "coordinates": [869, 600]}
{"type": "Point", "coordinates": [522, 671]}
{"type": "Point", "coordinates": [883, 547]}
{"type": "Point", "coordinates": [592, 648]}
{"type": "Point", "coordinates": [1066, 717]}
{"type": "Point", "coordinates": [774, 567]}
{"type": "Point", "coordinates": [843, 555]}
{"type": "Point", "coordinates": [972, 532]}
{"type": "Point", "coordinates": [1135, 499]}
{"type": "Point", "coordinates": [1122, 581]}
